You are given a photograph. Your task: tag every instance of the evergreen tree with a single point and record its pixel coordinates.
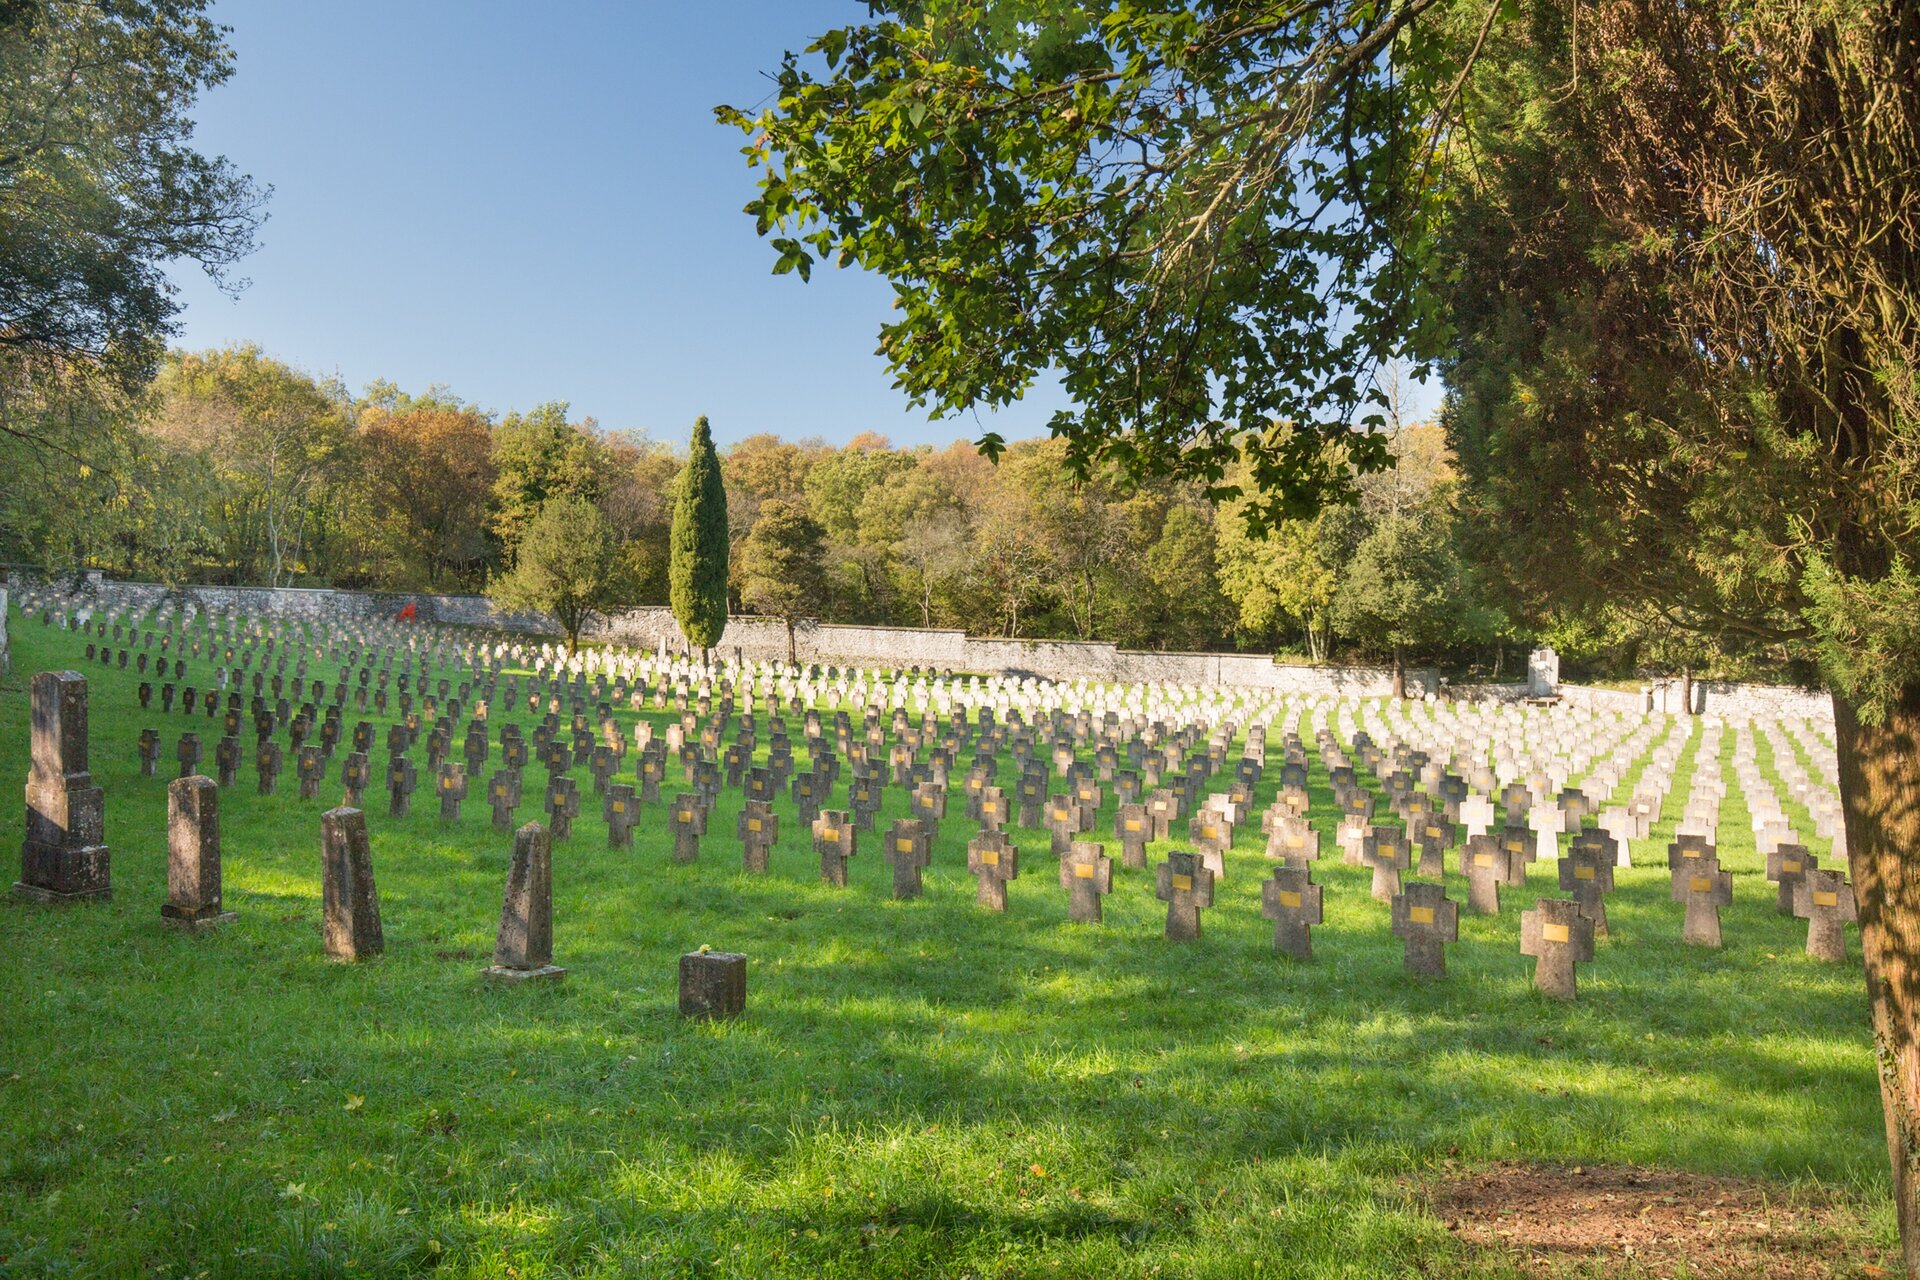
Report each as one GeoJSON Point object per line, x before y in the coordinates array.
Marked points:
{"type": "Point", "coordinates": [697, 569]}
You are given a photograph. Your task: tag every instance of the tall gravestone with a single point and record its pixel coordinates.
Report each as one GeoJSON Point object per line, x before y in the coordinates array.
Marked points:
{"type": "Point", "coordinates": [523, 949]}
{"type": "Point", "coordinates": [64, 858]}
{"type": "Point", "coordinates": [193, 855]}
{"type": "Point", "coordinates": [350, 907]}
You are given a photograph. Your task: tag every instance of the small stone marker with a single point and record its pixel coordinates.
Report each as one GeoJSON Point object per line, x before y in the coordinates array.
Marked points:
{"type": "Point", "coordinates": [65, 856]}
{"type": "Point", "coordinates": [833, 840]}
{"type": "Point", "coordinates": [992, 860]}
{"type": "Point", "coordinates": [1787, 865]}
{"type": "Point", "coordinates": [402, 777]}
{"type": "Point", "coordinates": [1705, 888]}
{"type": "Point", "coordinates": [1186, 886]}
{"type": "Point", "coordinates": [1426, 921]}
{"type": "Point", "coordinates": [1292, 901]}
{"type": "Point", "coordinates": [267, 759]}
{"type": "Point", "coordinates": [713, 984]}
{"type": "Point", "coordinates": [1086, 873]}
{"type": "Point", "coordinates": [907, 854]}
{"type": "Point", "coordinates": [350, 907]}
{"type": "Point", "coordinates": [193, 855]}
{"type": "Point", "coordinates": [523, 948]}
{"type": "Point", "coordinates": [1825, 899]}
{"type": "Point", "coordinates": [1559, 935]}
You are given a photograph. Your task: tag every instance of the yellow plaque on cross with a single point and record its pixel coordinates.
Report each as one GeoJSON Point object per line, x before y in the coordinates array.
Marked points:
{"type": "Point", "coordinates": [1583, 873]}
{"type": "Point", "coordinates": [1289, 899]}
{"type": "Point", "coordinates": [990, 857]}
{"type": "Point", "coordinates": [753, 824]}
{"type": "Point", "coordinates": [1699, 884]}
{"type": "Point", "coordinates": [1420, 915]}
{"type": "Point", "coordinates": [619, 806]}
{"type": "Point", "coordinates": [1825, 898]}
{"type": "Point", "coordinates": [1182, 883]}
{"type": "Point", "coordinates": [686, 815]}
{"type": "Point", "coordinates": [903, 846]}
{"type": "Point", "coordinates": [1553, 933]}
{"type": "Point", "coordinates": [1132, 824]}
{"type": "Point", "coordinates": [1296, 841]}
{"type": "Point", "coordinates": [1516, 846]}
{"type": "Point", "coordinates": [1083, 871]}
{"type": "Point", "coordinates": [830, 833]}
{"type": "Point", "coordinates": [1790, 866]}
{"type": "Point", "coordinates": [1482, 859]}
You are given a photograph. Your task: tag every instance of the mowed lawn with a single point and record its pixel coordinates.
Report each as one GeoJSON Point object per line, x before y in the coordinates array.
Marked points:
{"type": "Point", "coordinates": [918, 1088]}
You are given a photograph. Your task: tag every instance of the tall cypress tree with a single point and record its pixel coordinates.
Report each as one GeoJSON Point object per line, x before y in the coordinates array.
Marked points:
{"type": "Point", "coordinates": [697, 568]}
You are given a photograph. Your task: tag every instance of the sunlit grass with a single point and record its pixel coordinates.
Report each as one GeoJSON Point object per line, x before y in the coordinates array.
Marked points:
{"type": "Point", "coordinates": [919, 1088]}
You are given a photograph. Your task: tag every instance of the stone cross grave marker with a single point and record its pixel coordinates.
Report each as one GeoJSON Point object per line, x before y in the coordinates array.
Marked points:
{"type": "Point", "coordinates": [992, 860]}
{"type": "Point", "coordinates": [688, 821]}
{"type": "Point", "coordinates": [1704, 888]}
{"type": "Point", "coordinates": [621, 812]}
{"type": "Point", "coordinates": [758, 827]}
{"type": "Point", "coordinates": [1559, 936]}
{"type": "Point", "coordinates": [833, 840]}
{"type": "Point", "coordinates": [149, 752]}
{"type": "Point", "coordinates": [1425, 920]}
{"type": "Point", "coordinates": [188, 754]}
{"type": "Point", "coordinates": [452, 789]}
{"type": "Point", "coordinates": [1587, 874]}
{"type": "Point", "coordinates": [1086, 873]}
{"type": "Point", "coordinates": [355, 774]}
{"type": "Point", "coordinates": [1825, 900]}
{"type": "Point", "coordinates": [1787, 865]}
{"type": "Point", "coordinates": [1186, 886]}
{"type": "Point", "coordinates": [1293, 902]}
{"type": "Point", "coordinates": [563, 806]}
{"type": "Point", "coordinates": [503, 797]}
{"type": "Point", "coordinates": [1133, 825]}
{"type": "Point", "coordinates": [907, 854]}
{"type": "Point", "coordinates": [1486, 864]}
{"type": "Point", "coordinates": [1386, 851]}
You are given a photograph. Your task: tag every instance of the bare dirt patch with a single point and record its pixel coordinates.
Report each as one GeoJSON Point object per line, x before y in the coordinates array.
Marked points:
{"type": "Point", "coordinates": [1613, 1220]}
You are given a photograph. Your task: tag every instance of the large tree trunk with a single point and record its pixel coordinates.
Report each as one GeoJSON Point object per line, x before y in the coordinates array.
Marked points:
{"type": "Point", "coordinates": [1880, 790]}
{"type": "Point", "coordinates": [1399, 674]}
{"type": "Point", "coordinates": [792, 660]}
{"type": "Point", "coordinates": [1686, 689]}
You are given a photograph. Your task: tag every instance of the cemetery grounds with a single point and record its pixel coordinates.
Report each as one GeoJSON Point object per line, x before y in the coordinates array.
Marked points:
{"type": "Point", "coordinates": [917, 1088]}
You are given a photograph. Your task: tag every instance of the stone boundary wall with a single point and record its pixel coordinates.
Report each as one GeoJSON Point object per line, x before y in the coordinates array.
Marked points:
{"type": "Point", "coordinates": [653, 627]}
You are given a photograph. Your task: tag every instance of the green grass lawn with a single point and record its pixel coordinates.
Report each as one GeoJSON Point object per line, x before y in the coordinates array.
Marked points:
{"type": "Point", "coordinates": [917, 1089]}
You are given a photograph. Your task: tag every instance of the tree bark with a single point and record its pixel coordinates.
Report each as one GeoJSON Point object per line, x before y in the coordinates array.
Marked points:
{"type": "Point", "coordinates": [1399, 674]}
{"type": "Point", "coordinates": [1880, 791]}
{"type": "Point", "coordinates": [792, 660]}
{"type": "Point", "coordinates": [1686, 689]}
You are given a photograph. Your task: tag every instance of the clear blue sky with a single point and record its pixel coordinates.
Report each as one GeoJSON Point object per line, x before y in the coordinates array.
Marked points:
{"type": "Point", "coordinates": [534, 202]}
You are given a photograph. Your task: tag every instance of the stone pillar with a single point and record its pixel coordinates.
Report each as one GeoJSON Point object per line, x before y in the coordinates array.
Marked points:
{"type": "Point", "coordinates": [713, 984]}
{"type": "Point", "coordinates": [523, 949]}
{"type": "Point", "coordinates": [193, 855]}
{"type": "Point", "coordinates": [64, 858]}
{"type": "Point", "coordinates": [350, 907]}
{"type": "Point", "coordinates": [1543, 674]}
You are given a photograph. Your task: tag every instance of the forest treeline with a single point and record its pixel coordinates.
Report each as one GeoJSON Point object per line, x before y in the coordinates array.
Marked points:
{"type": "Point", "coordinates": [236, 467]}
